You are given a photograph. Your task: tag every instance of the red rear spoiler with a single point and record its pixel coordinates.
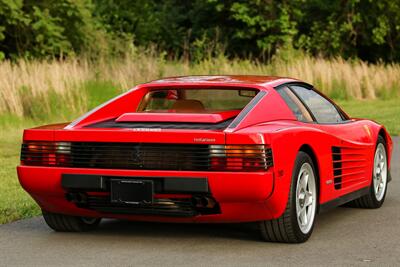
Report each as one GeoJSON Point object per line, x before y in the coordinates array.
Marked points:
{"type": "Point", "coordinates": [178, 117]}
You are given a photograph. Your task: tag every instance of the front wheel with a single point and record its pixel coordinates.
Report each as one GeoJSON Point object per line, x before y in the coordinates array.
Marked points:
{"type": "Point", "coordinates": [377, 192]}
{"type": "Point", "coordinates": [297, 222]}
{"type": "Point", "coordinates": [67, 223]}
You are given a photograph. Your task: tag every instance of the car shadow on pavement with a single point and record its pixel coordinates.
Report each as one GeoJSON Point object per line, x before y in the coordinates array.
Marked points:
{"type": "Point", "coordinates": [242, 231]}
{"type": "Point", "coordinates": [237, 231]}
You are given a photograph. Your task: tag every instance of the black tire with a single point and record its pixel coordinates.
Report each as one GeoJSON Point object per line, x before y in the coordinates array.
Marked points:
{"type": "Point", "coordinates": [370, 201]}
{"type": "Point", "coordinates": [67, 223]}
{"type": "Point", "coordinates": [286, 228]}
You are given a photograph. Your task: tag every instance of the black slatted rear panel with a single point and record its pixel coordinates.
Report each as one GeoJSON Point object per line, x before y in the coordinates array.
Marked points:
{"type": "Point", "coordinates": [142, 156]}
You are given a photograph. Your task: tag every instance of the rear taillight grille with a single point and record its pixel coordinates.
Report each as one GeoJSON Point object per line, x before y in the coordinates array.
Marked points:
{"type": "Point", "coordinates": [46, 154]}
{"type": "Point", "coordinates": [147, 156]}
{"type": "Point", "coordinates": [240, 157]}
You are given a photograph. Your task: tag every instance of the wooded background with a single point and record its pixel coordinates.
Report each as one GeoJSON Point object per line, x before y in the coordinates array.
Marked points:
{"type": "Point", "coordinates": [257, 29]}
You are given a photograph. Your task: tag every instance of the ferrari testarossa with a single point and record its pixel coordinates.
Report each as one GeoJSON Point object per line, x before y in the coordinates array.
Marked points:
{"type": "Point", "coordinates": [208, 149]}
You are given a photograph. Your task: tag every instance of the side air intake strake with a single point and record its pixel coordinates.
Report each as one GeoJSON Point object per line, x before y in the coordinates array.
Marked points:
{"type": "Point", "coordinates": [147, 156]}
{"type": "Point", "coordinates": [349, 165]}
{"type": "Point", "coordinates": [337, 167]}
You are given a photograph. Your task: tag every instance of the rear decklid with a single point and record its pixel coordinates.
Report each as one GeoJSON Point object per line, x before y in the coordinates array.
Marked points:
{"type": "Point", "coordinates": [157, 122]}
{"type": "Point", "coordinates": [211, 118]}
{"type": "Point", "coordinates": [128, 131]}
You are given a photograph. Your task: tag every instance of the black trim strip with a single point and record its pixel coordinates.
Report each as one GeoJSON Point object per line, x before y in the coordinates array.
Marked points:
{"type": "Point", "coordinates": [146, 211]}
{"type": "Point", "coordinates": [343, 199]}
{"type": "Point", "coordinates": [247, 109]}
{"type": "Point", "coordinates": [162, 184]}
{"type": "Point", "coordinates": [304, 84]}
{"type": "Point", "coordinates": [83, 181]}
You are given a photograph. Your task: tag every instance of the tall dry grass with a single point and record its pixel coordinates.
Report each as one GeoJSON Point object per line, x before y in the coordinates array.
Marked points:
{"type": "Point", "coordinates": [34, 79]}
{"type": "Point", "coordinates": [26, 83]}
{"type": "Point", "coordinates": [344, 79]}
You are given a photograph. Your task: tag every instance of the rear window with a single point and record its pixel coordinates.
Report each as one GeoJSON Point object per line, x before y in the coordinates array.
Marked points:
{"type": "Point", "coordinates": [196, 100]}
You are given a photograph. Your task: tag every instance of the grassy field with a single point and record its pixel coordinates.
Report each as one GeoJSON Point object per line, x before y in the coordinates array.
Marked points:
{"type": "Point", "coordinates": [34, 93]}
{"type": "Point", "coordinates": [386, 112]}
{"type": "Point", "coordinates": [69, 87]}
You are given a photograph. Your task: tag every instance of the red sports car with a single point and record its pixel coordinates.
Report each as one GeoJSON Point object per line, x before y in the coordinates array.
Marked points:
{"type": "Point", "coordinates": [208, 149]}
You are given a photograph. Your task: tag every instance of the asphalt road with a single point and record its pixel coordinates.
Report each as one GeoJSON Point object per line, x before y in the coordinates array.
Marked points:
{"type": "Point", "coordinates": [343, 236]}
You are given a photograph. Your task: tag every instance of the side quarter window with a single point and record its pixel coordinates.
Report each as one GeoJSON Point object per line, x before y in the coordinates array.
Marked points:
{"type": "Point", "coordinates": [298, 109]}
{"type": "Point", "coordinates": [323, 110]}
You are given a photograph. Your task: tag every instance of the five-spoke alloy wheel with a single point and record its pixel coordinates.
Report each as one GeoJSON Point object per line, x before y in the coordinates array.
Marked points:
{"type": "Point", "coordinates": [297, 222]}
{"type": "Point", "coordinates": [305, 198]}
{"type": "Point", "coordinates": [380, 173]}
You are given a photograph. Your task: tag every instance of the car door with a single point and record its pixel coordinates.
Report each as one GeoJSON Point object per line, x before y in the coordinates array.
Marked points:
{"type": "Point", "coordinates": [351, 145]}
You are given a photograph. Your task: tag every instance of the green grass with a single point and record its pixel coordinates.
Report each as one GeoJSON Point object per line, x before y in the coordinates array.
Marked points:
{"type": "Point", "coordinates": [16, 204]}
{"type": "Point", "coordinates": [386, 112]}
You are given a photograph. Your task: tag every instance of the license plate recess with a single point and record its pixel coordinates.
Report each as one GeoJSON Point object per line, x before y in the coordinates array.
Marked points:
{"type": "Point", "coordinates": [134, 192]}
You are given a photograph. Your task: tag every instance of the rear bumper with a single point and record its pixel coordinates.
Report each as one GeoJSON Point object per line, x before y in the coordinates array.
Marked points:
{"type": "Point", "coordinates": [241, 196]}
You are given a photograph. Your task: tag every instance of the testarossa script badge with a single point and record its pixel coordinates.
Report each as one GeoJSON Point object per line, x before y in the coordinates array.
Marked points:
{"type": "Point", "coordinates": [146, 129]}
{"type": "Point", "coordinates": [203, 140]}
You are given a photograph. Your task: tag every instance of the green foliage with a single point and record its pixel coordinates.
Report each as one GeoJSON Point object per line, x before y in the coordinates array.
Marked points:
{"type": "Point", "coordinates": [48, 28]}
{"type": "Point", "coordinates": [259, 28]}
{"type": "Point", "coordinates": [200, 29]}
{"type": "Point", "coordinates": [269, 26]}
{"type": "Point", "coordinates": [352, 29]}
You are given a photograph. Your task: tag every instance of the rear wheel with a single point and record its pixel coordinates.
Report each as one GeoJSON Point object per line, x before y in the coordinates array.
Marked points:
{"type": "Point", "coordinates": [67, 223]}
{"type": "Point", "coordinates": [377, 192]}
{"type": "Point", "coordinates": [297, 222]}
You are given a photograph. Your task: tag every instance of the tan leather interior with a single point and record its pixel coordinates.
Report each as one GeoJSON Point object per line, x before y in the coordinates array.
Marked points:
{"type": "Point", "coordinates": [188, 105]}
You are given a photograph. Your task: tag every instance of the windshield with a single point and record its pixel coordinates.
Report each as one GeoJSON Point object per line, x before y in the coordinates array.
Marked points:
{"type": "Point", "coordinates": [196, 100]}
